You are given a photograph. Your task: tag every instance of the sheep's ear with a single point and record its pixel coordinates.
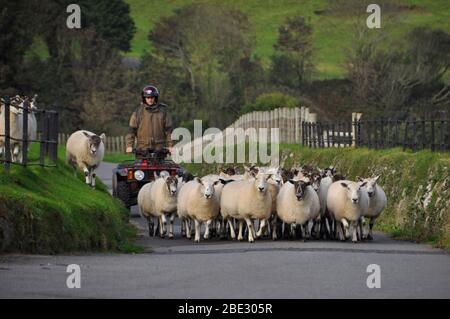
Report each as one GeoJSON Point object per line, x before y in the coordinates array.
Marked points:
{"type": "Point", "coordinates": [359, 179]}
{"type": "Point", "coordinates": [216, 182]}
{"type": "Point", "coordinates": [103, 136]}
{"type": "Point", "coordinates": [376, 178]}
{"type": "Point", "coordinates": [155, 175]}
{"type": "Point", "coordinates": [345, 185]}
{"type": "Point", "coordinates": [198, 180]}
{"type": "Point", "coordinates": [225, 181]}
{"type": "Point", "coordinates": [363, 184]}
{"type": "Point", "coordinates": [292, 181]}
{"type": "Point", "coordinates": [86, 134]}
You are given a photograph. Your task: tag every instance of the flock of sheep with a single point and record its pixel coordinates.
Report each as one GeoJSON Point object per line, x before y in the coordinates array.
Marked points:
{"type": "Point", "coordinates": [301, 202]}
{"type": "Point", "coordinates": [16, 126]}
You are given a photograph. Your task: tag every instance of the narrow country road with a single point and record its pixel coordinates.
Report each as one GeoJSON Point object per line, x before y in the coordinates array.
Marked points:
{"type": "Point", "coordinates": [228, 269]}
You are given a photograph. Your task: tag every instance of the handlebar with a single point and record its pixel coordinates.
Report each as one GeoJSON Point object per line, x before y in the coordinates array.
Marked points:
{"type": "Point", "coordinates": [152, 153]}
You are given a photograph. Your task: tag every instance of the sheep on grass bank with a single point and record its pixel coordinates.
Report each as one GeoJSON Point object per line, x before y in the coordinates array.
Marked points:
{"type": "Point", "coordinates": [85, 150]}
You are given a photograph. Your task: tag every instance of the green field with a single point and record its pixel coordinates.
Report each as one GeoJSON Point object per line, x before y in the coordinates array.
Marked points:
{"type": "Point", "coordinates": [331, 35]}
{"type": "Point", "coordinates": [49, 210]}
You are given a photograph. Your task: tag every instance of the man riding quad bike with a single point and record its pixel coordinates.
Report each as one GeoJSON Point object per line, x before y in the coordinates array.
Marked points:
{"type": "Point", "coordinates": [150, 133]}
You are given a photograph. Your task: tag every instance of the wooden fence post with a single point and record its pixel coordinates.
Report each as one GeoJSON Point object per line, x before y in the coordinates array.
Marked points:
{"type": "Point", "coordinates": [432, 135]}
{"type": "Point", "coordinates": [424, 136]}
{"type": "Point", "coordinates": [26, 105]}
{"type": "Point", "coordinates": [441, 127]}
{"type": "Point", "coordinates": [405, 137]}
{"type": "Point", "coordinates": [7, 126]}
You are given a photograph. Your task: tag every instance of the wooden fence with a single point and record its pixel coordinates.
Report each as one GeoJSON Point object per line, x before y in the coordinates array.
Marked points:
{"type": "Point", "coordinates": [288, 120]}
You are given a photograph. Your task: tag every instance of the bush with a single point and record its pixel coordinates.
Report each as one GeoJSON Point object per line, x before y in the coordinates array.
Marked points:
{"type": "Point", "coordinates": [270, 101]}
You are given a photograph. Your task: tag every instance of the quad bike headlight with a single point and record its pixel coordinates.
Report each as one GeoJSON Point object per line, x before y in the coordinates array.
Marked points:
{"type": "Point", "coordinates": [139, 175]}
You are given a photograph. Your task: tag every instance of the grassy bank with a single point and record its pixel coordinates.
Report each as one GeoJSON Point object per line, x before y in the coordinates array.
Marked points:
{"type": "Point", "coordinates": [417, 186]}
{"type": "Point", "coordinates": [49, 210]}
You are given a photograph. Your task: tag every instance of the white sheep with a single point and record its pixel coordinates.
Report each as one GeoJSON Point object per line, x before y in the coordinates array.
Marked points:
{"type": "Point", "coordinates": [377, 202]}
{"type": "Point", "coordinates": [15, 132]}
{"type": "Point", "coordinates": [297, 204]}
{"type": "Point", "coordinates": [85, 150]}
{"type": "Point", "coordinates": [159, 199]}
{"type": "Point", "coordinates": [32, 122]}
{"type": "Point", "coordinates": [274, 184]}
{"type": "Point", "coordinates": [326, 220]}
{"type": "Point", "coordinates": [247, 200]}
{"type": "Point", "coordinates": [198, 201]}
{"type": "Point", "coordinates": [347, 201]}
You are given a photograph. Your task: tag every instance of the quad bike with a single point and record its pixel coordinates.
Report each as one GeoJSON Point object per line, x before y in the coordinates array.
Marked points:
{"type": "Point", "coordinates": [130, 176]}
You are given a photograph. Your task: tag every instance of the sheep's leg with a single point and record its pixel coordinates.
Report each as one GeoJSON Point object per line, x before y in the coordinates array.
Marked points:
{"type": "Point", "coordinates": [371, 223]}
{"type": "Point", "coordinates": [293, 230]}
{"type": "Point", "coordinates": [346, 226]}
{"type": "Point", "coordinates": [241, 224]}
{"type": "Point", "coordinates": [183, 227]}
{"type": "Point", "coordinates": [360, 228]}
{"type": "Point", "coordinates": [231, 226]}
{"type": "Point", "coordinates": [307, 232]}
{"type": "Point", "coordinates": [274, 227]}
{"type": "Point", "coordinates": [197, 231]}
{"type": "Point", "coordinates": [319, 222]}
{"type": "Point", "coordinates": [250, 230]}
{"type": "Point", "coordinates": [313, 229]}
{"type": "Point", "coordinates": [86, 175]}
{"type": "Point", "coordinates": [221, 226]}
{"type": "Point", "coordinates": [355, 230]}
{"type": "Point", "coordinates": [163, 225]}
{"type": "Point", "coordinates": [303, 231]}
{"type": "Point", "coordinates": [188, 231]}
{"type": "Point", "coordinates": [268, 231]}
{"type": "Point", "coordinates": [151, 226]}
{"type": "Point", "coordinates": [93, 175]}
{"type": "Point", "coordinates": [192, 227]}
{"type": "Point", "coordinates": [339, 231]}
{"type": "Point", "coordinates": [16, 154]}
{"type": "Point", "coordinates": [208, 224]}
{"type": "Point", "coordinates": [262, 226]}
{"type": "Point", "coordinates": [172, 218]}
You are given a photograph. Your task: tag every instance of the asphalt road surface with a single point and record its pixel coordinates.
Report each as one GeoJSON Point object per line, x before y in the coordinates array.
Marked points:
{"type": "Point", "coordinates": [229, 269]}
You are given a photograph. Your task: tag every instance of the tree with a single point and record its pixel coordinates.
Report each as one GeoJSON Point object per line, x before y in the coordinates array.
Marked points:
{"type": "Point", "coordinates": [209, 47]}
{"type": "Point", "coordinates": [403, 80]}
{"type": "Point", "coordinates": [14, 41]}
{"type": "Point", "coordinates": [111, 19]}
{"type": "Point", "coordinates": [292, 62]}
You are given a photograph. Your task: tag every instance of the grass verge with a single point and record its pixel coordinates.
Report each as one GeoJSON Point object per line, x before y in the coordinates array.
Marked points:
{"type": "Point", "coordinates": [49, 211]}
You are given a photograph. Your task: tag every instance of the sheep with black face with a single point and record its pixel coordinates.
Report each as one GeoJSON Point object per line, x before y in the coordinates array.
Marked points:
{"type": "Point", "coordinates": [297, 203]}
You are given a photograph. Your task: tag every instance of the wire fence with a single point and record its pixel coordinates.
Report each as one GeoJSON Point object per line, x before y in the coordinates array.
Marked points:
{"type": "Point", "coordinates": [20, 126]}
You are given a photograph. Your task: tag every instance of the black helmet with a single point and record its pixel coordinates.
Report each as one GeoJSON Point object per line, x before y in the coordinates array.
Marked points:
{"type": "Point", "coordinates": [150, 91]}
